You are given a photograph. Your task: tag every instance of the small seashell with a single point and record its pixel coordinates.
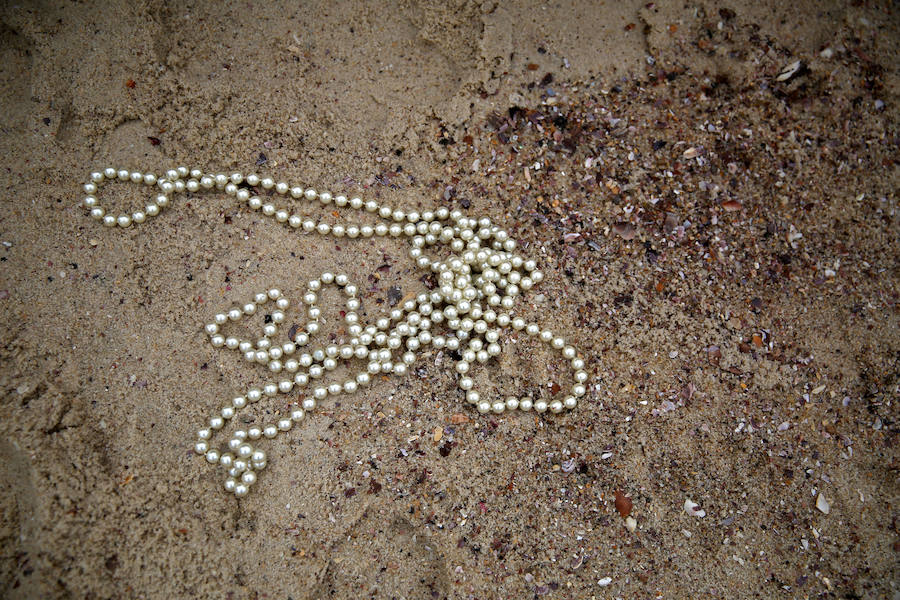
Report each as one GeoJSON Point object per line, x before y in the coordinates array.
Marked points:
{"type": "Point", "coordinates": [822, 504]}
{"type": "Point", "coordinates": [630, 524]}
{"type": "Point", "coordinates": [691, 153]}
{"type": "Point", "coordinates": [624, 230]}
{"type": "Point", "coordinates": [693, 509]}
{"type": "Point", "coordinates": [789, 71]}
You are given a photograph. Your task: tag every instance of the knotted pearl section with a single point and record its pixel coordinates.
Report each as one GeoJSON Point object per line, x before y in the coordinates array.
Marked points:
{"type": "Point", "coordinates": [471, 306]}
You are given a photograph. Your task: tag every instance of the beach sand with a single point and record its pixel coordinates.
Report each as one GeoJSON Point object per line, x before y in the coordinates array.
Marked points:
{"type": "Point", "coordinates": [718, 228]}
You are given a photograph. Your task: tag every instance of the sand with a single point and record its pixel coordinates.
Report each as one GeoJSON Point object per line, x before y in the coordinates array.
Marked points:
{"type": "Point", "coordinates": [720, 244]}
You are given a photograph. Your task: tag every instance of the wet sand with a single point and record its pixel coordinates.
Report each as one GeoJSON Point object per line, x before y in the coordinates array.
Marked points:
{"type": "Point", "coordinates": [717, 223]}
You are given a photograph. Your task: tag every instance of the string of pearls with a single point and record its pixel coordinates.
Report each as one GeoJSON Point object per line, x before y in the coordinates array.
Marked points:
{"type": "Point", "coordinates": [477, 286]}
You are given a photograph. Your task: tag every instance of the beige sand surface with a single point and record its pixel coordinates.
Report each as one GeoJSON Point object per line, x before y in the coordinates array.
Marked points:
{"type": "Point", "coordinates": [719, 244]}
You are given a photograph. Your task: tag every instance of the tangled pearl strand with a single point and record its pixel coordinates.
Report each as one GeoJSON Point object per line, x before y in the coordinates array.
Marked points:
{"type": "Point", "coordinates": [477, 286]}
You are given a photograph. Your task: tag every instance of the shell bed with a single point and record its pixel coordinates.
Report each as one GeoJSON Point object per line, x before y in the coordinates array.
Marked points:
{"type": "Point", "coordinates": [478, 283]}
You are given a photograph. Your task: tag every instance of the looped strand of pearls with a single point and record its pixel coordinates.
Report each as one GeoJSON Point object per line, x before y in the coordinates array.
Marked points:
{"type": "Point", "coordinates": [472, 305]}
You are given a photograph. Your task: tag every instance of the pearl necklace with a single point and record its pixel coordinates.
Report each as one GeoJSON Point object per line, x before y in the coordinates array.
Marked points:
{"type": "Point", "coordinates": [477, 288]}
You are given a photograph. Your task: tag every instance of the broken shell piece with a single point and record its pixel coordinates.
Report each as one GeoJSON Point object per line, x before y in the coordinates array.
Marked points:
{"type": "Point", "coordinates": [790, 71]}
{"type": "Point", "coordinates": [630, 524]}
{"type": "Point", "coordinates": [624, 230]}
{"type": "Point", "coordinates": [822, 504]}
{"type": "Point", "coordinates": [693, 509]}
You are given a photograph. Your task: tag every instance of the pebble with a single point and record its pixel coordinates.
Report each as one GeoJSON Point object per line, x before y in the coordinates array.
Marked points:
{"type": "Point", "coordinates": [822, 504]}
{"type": "Point", "coordinates": [624, 504]}
{"type": "Point", "coordinates": [604, 582]}
{"type": "Point", "coordinates": [691, 153]}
